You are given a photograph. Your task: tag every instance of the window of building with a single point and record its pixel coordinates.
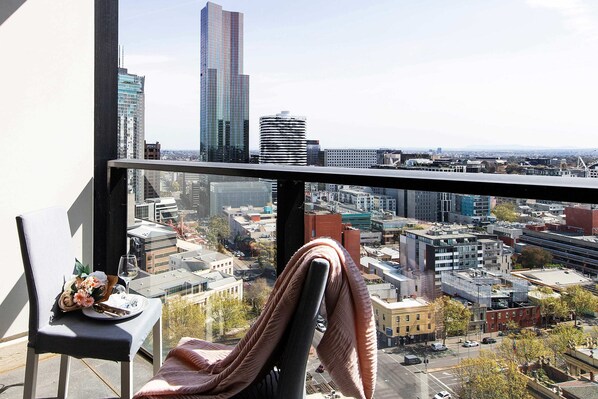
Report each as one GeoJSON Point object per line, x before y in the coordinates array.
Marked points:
{"type": "Point", "coordinates": [398, 319]}
{"type": "Point", "coordinates": [407, 318]}
{"type": "Point", "coordinates": [417, 316]}
{"type": "Point", "coordinates": [417, 327]}
{"type": "Point", "coordinates": [407, 329]}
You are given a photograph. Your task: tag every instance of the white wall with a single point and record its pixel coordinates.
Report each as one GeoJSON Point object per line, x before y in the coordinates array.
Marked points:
{"type": "Point", "coordinates": [46, 131]}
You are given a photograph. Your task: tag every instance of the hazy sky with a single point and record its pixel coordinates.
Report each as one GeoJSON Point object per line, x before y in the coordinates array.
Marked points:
{"type": "Point", "coordinates": [399, 73]}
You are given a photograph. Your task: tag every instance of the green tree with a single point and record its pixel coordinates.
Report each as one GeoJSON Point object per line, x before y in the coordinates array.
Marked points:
{"type": "Point", "coordinates": [523, 348]}
{"type": "Point", "coordinates": [514, 169]}
{"type": "Point", "coordinates": [506, 212]}
{"type": "Point", "coordinates": [217, 231]}
{"type": "Point", "coordinates": [580, 301]}
{"type": "Point", "coordinates": [266, 253]}
{"type": "Point", "coordinates": [490, 377]}
{"type": "Point", "coordinates": [256, 295]}
{"type": "Point", "coordinates": [551, 307]}
{"type": "Point", "coordinates": [182, 318]}
{"type": "Point", "coordinates": [452, 317]}
{"type": "Point", "coordinates": [560, 337]}
{"type": "Point", "coordinates": [229, 314]}
{"type": "Point", "coordinates": [534, 257]}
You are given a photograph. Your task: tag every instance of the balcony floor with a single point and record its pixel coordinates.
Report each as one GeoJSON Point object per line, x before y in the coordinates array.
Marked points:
{"type": "Point", "coordinates": [89, 378]}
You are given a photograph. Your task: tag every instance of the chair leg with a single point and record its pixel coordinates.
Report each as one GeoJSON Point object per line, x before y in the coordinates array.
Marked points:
{"type": "Point", "coordinates": [157, 345]}
{"type": "Point", "coordinates": [30, 374]}
{"type": "Point", "coordinates": [63, 382]}
{"type": "Point", "coordinates": [126, 377]}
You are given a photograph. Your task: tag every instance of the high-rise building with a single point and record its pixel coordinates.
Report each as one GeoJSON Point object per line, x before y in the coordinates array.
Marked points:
{"type": "Point", "coordinates": [282, 139]}
{"type": "Point", "coordinates": [151, 177]}
{"type": "Point", "coordinates": [131, 126]}
{"type": "Point", "coordinates": [470, 209]}
{"type": "Point", "coordinates": [224, 90]}
{"type": "Point", "coordinates": [350, 158]}
{"type": "Point", "coordinates": [315, 156]}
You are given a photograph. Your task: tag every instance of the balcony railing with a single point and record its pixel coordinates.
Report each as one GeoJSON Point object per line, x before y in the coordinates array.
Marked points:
{"type": "Point", "coordinates": [291, 181]}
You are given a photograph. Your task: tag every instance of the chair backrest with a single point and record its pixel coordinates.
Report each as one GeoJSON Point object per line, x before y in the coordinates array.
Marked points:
{"type": "Point", "coordinates": [48, 256]}
{"type": "Point", "coordinates": [283, 376]}
{"type": "Point", "coordinates": [293, 361]}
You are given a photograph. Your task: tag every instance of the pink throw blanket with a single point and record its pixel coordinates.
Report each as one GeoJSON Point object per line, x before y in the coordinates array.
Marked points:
{"type": "Point", "coordinates": [200, 369]}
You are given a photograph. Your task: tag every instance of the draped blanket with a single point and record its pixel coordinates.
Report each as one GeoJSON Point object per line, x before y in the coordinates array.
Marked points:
{"type": "Point", "coordinates": [200, 369]}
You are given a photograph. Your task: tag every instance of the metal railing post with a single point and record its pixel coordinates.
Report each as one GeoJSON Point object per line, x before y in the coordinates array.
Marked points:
{"type": "Point", "coordinates": [290, 224]}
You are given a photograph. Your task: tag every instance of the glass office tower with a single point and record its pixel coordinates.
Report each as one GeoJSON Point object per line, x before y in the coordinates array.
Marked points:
{"type": "Point", "coordinates": [131, 128]}
{"type": "Point", "coordinates": [224, 124]}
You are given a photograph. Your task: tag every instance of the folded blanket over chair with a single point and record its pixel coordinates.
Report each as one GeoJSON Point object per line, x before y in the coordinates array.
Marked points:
{"type": "Point", "coordinates": [200, 369]}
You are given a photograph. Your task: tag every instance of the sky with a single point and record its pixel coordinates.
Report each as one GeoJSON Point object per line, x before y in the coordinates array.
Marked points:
{"type": "Point", "coordinates": [394, 74]}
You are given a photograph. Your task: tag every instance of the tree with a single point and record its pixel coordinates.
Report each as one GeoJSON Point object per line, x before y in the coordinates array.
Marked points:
{"type": "Point", "coordinates": [580, 301]}
{"type": "Point", "coordinates": [561, 336]}
{"type": "Point", "coordinates": [266, 253]}
{"type": "Point", "coordinates": [229, 314]}
{"type": "Point", "coordinates": [218, 230]}
{"type": "Point", "coordinates": [256, 295]}
{"type": "Point", "coordinates": [452, 317]}
{"type": "Point", "coordinates": [505, 212]}
{"type": "Point", "coordinates": [489, 377]}
{"type": "Point", "coordinates": [534, 257]}
{"type": "Point", "coordinates": [182, 318]}
{"type": "Point", "coordinates": [523, 348]}
{"type": "Point", "coordinates": [552, 308]}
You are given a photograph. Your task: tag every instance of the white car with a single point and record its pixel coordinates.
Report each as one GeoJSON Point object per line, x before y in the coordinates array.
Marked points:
{"type": "Point", "coordinates": [469, 344]}
{"type": "Point", "coordinates": [443, 395]}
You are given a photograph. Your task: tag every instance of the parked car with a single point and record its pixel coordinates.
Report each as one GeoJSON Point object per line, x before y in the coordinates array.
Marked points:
{"type": "Point", "coordinates": [412, 359]}
{"type": "Point", "coordinates": [443, 395]}
{"type": "Point", "coordinates": [488, 340]}
{"type": "Point", "coordinates": [469, 344]}
{"type": "Point", "coordinates": [321, 327]}
{"type": "Point", "coordinates": [437, 347]}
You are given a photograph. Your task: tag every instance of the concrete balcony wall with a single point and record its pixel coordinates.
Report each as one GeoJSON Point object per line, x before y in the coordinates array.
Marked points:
{"type": "Point", "coordinates": [46, 131]}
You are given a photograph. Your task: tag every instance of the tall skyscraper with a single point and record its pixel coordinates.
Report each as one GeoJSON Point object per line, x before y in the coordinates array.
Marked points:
{"type": "Point", "coordinates": [224, 123]}
{"type": "Point", "coordinates": [282, 139]}
{"type": "Point", "coordinates": [131, 125]}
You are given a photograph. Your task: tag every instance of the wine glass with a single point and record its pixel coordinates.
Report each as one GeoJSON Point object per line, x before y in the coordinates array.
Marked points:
{"type": "Point", "coordinates": [128, 269]}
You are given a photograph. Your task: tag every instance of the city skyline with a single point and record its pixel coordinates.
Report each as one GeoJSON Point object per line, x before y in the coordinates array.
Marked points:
{"type": "Point", "coordinates": [410, 75]}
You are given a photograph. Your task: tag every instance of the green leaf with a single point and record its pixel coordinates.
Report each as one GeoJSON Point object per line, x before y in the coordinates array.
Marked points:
{"type": "Point", "coordinates": [81, 270]}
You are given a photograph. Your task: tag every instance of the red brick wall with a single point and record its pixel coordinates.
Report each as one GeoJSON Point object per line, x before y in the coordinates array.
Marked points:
{"type": "Point", "coordinates": [351, 241]}
{"type": "Point", "coordinates": [330, 225]}
{"type": "Point", "coordinates": [528, 316]}
{"type": "Point", "coordinates": [586, 219]}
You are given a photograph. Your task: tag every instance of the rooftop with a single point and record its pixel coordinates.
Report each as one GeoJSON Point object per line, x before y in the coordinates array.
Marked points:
{"type": "Point", "coordinates": [553, 277]}
{"type": "Point", "coordinates": [404, 304]}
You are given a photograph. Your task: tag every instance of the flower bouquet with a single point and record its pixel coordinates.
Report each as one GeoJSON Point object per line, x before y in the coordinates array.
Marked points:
{"type": "Point", "coordinates": [85, 288]}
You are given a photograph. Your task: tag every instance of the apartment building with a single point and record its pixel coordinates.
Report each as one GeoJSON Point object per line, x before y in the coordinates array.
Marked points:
{"type": "Point", "coordinates": [404, 322]}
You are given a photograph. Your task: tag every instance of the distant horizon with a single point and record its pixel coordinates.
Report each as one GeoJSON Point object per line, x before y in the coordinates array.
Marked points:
{"type": "Point", "coordinates": [448, 149]}
{"type": "Point", "coordinates": [398, 74]}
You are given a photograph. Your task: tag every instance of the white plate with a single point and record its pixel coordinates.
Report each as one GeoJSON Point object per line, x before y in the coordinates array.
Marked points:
{"type": "Point", "coordinates": [132, 302]}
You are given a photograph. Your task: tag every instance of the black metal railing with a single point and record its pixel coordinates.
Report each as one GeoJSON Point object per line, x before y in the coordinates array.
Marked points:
{"type": "Point", "coordinates": [291, 180]}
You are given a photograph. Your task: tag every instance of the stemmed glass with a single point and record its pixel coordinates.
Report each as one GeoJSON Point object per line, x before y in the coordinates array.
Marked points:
{"type": "Point", "coordinates": [128, 269]}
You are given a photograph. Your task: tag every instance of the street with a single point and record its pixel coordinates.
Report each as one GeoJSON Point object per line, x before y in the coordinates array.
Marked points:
{"type": "Point", "coordinates": [396, 380]}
